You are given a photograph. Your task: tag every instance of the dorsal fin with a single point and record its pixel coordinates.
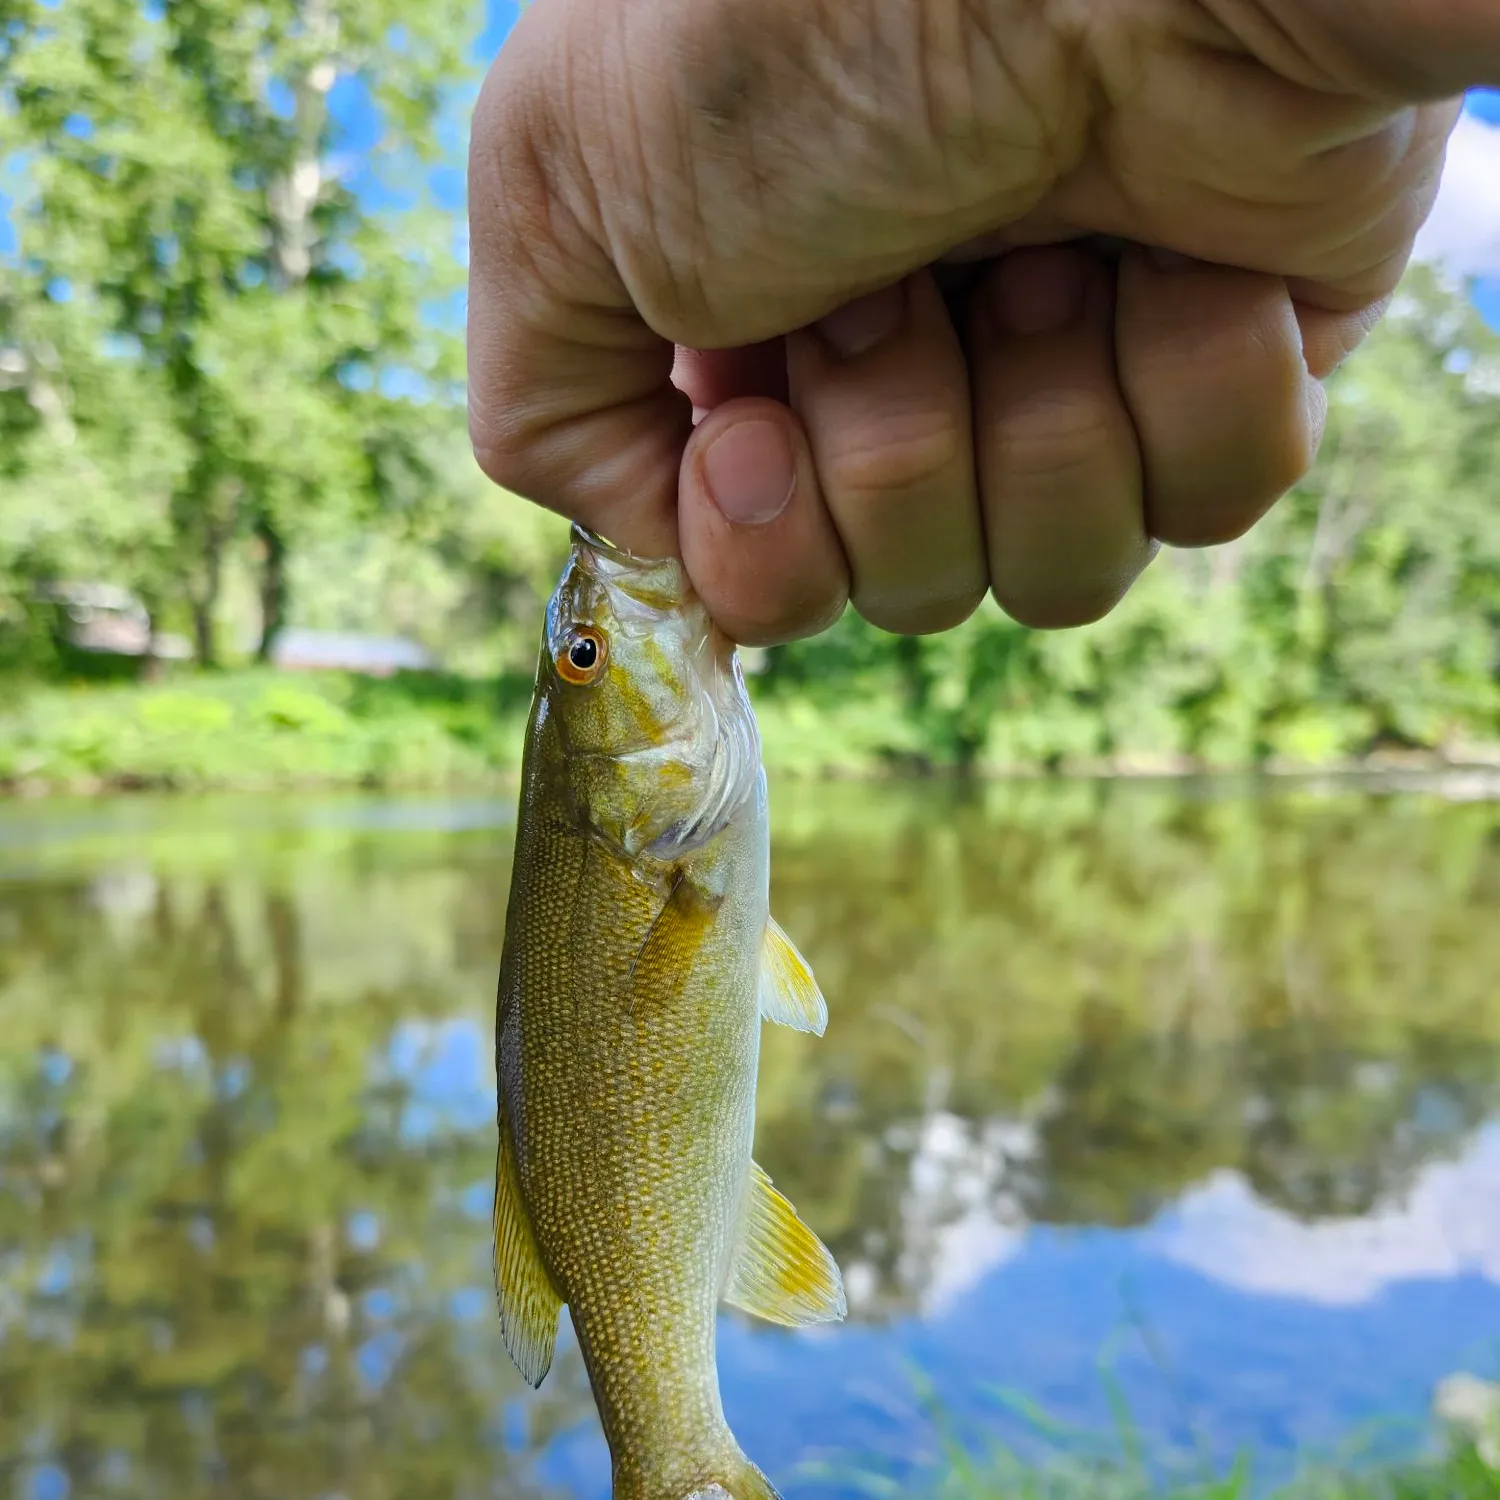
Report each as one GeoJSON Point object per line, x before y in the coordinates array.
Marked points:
{"type": "Point", "coordinates": [529, 1303]}
{"type": "Point", "coordinates": [789, 995]}
{"type": "Point", "coordinates": [782, 1271]}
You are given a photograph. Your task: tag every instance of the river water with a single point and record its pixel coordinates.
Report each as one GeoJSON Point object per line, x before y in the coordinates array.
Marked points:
{"type": "Point", "coordinates": [1181, 1096]}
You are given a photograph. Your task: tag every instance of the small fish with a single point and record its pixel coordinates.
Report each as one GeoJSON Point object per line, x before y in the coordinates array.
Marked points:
{"type": "Point", "coordinates": [640, 957]}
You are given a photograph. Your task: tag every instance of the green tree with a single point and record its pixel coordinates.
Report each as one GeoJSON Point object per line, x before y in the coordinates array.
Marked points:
{"type": "Point", "coordinates": [192, 254]}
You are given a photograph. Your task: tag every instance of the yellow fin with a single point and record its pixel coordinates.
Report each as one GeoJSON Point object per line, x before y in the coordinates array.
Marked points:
{"type": "Point", "coordinates": [782, 1271]}
{"type": "Point", "coordinates": [529, 1304]}
{"type": "Point", "coordinates": [789, 995]}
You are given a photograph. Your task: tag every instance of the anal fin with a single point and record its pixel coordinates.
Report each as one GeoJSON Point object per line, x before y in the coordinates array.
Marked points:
{"type": "Point", "coordinates": [789, 995]}
{"type": "Point", "coordinates": [529, 1304]}
{"type": "Point", "coordinates": [782, 1271]}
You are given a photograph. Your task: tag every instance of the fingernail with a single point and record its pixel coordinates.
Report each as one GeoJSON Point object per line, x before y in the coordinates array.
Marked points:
{"type": "Point", "coordinates": [859, 326]}
{"type": "Point", "coordinates": [1039, 294]}
{"type": "Point", "coordinates": [750, 472]}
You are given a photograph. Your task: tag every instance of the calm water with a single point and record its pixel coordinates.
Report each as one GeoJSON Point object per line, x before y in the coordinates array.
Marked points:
{"type": "Point", "coordinates": [1193, 1094]}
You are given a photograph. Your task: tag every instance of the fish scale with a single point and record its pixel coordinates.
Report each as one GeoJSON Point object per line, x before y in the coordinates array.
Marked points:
{"type": "Point", "coordinates": [639, 960]}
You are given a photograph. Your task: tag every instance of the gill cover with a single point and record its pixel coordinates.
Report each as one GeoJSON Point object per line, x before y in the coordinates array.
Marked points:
{"type": "Point", "coordinates": [659, 744]}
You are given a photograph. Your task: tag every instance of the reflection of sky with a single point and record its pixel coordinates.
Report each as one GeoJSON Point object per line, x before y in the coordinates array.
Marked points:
{"type": "Point", "coordinates": [444, 1067]}
{"type": "Point", "coordinates": [1234, 1327]}
{"type": "Point", "coordinates": [1447, 1226]}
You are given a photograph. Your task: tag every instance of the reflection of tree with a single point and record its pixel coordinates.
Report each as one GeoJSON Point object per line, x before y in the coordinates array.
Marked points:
{"type": "Point", "coordinates": [225, 1268]}
{"type": "Point", "coordinates": [217, 1228]}
{"type": "Point", "coordinates": [1162, 985]}
{"type": "Point", "coordinates": [1134, 1118]}
{"type": "Point", "coordinates": [1338, 1133]}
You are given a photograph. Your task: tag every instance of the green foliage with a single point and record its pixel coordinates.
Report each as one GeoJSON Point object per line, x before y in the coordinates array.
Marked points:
{"type": "Point", "coordinates": [256, 729]}
{"type": "Point", "coordinates": [1362, 615]}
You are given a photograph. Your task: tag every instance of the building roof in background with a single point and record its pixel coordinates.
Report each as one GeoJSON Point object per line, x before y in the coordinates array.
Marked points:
{"type": "Point", "coordinates": [350, 651]}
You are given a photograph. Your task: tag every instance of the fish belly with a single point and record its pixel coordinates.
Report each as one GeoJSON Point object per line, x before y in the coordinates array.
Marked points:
{"type": "Point", "coordinates": [629, 1067]}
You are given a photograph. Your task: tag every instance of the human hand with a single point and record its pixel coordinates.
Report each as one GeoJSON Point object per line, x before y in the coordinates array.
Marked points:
{"type": "Point", "coordinates": [784, 216]}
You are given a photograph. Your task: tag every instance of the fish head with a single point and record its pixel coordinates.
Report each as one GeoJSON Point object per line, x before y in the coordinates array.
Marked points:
{"type": "Point", "coordinates": [657, 738]}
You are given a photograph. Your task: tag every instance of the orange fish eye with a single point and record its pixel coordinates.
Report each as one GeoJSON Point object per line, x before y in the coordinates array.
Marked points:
{"type": "Point", "coordinates": [582, 656]}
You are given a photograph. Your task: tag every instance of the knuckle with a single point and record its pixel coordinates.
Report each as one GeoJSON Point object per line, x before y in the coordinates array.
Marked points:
{"type": "Point", "coordinates": [1215, 504]}
{"type": "Point", "coordinates": [1195, 523]}
{"type": "Point", "coordinates": [1055, 432]}
{"type": "Point", "coordinates": [1289, 451]}
{"type": "Point", "coordinates": [900, 452]}
{"type": "Point", "coordinates": [499, 436]}
{"type": "Point", "coordinates": [808, 614]}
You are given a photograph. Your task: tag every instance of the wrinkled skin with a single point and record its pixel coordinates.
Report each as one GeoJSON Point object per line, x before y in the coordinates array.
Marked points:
{"type": "Point", "coordinates": [749, 207]}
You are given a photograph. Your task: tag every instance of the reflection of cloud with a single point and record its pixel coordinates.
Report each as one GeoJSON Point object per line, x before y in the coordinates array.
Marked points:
{"type": "Point", "coordinates": [1463, 231]}
{"type": "Point", "coordinates": [1446, 1225]}
{"type": "Point", "coordinates": [960, 1220]}
{"type": "Point", "coordinates": [126, 896]}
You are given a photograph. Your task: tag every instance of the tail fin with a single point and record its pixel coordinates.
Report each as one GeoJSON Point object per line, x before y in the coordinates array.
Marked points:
{"type": "Point", "coordinates": [713, 1468]}
{"type": "Point", "coordinates": [735, 1479]}
{"type": "Point", "coordinates": [746, 1483]}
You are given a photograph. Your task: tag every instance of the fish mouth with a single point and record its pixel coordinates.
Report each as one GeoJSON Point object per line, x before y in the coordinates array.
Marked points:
{"type": "Point", "coordinates": [657, 582]}
{"type": "Point", "coordinates": [591, 540]}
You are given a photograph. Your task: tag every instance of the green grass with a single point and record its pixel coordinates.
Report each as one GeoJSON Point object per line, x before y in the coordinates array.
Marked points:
{"type": "Point", "coordinates": [1459, 1476]}
{"type": "Point", "coordinates": [1062, 1462]}
{"type": "Point", "coordinates": [259, 730]}
{"type": "Point", "coordinates": [255, 730]}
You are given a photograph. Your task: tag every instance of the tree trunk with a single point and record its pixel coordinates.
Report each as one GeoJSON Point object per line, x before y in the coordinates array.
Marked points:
{"type": "Point", "coordinates": [203, 630]}
{"type": "Point", "coordinates": [152, 668]}
{"type": "Point", "coordinates": [215, 526]}
{"type": "Point", "coordinates": [912, 672]}
{"type": "Point", "coordinates": [273, 585]}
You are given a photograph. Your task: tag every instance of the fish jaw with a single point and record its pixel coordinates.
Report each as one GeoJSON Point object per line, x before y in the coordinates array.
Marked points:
{"type": "Point", "coordinates": [660, 747]}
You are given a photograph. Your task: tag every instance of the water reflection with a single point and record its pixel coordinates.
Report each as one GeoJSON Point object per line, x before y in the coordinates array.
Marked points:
{"type": "Point", "coordinates": [1213, 1061]}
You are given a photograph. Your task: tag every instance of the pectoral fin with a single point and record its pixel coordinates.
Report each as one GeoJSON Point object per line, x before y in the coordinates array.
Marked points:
{"type": "Point", "coordinates": [529, 1304]}
{"type": "Point", "coordinates": [789, 995]}
{"type": "Point", "coordinates": [782, 1271]}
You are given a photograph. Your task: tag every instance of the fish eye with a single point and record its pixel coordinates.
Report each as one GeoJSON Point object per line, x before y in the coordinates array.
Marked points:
{"type": "Point", "coordinates": [582, 656]}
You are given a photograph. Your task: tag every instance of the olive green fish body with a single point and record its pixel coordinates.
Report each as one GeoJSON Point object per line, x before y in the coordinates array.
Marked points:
{"type": "Point", "coordinates": [639, 960]}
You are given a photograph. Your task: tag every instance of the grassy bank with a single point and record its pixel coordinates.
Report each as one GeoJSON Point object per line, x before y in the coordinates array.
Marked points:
{"type": "Point", "coordinates": [260, 730]}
